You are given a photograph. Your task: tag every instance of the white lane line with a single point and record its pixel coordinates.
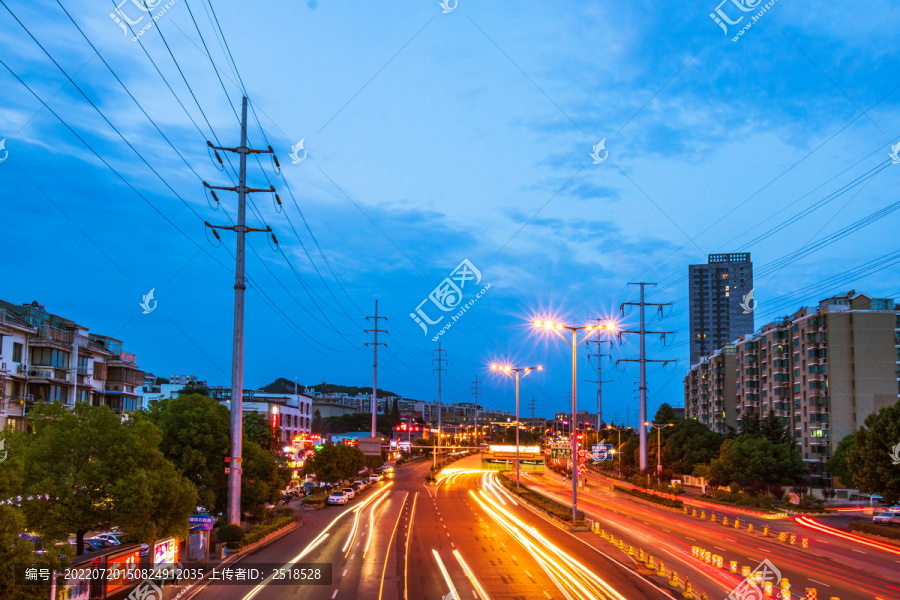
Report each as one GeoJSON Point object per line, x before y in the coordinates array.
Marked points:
{"type": "Point", "coordinates": [475, 594]}
{"type": "Point", "coordinates": [820, 583]}
{"type": "Point", "coordinates": [334, 595]}
{"type": "Point", "coordinates": [860, 551]}
{"type": "Point", "coordinates": [548, 595]}
{"type": "Point", "coordinates": [529, 575]}
{"type": "Point", "coordinates": [720, 548]}
{"type": "Point", "coordinates": [690, 538]}
{"type": "Point", "coordinates": [344, 574]}
{"type": "Point", "coordinates": [666, 530]}
{"type": "Point", "coordinates": [645, 523]}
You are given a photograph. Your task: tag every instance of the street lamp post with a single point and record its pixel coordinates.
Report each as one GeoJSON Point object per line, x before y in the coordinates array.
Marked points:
{"type": "Point", "coordinates": [619, 445]}
{"type": "Point", "coordinates": [658, 429]}
{"type": "Point", "coordinates": [508, 370]}
{"type": "Point", "coordinates": [557, 328]}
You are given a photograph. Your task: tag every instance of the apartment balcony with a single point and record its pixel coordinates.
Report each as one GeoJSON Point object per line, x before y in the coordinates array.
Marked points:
{"type": "Point", "coordinates": [48, 373]}
{"type": "Point", "coordinates": [51, 335]}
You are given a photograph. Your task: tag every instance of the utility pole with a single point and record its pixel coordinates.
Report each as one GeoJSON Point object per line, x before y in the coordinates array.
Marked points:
{"type": "Point", "coordinates": [533, 404]}
{"type": "Point", "coordinates": [643, 360]}
{"type": "Point", "coordinates": [440, 360]}
{"type": "Point", "coordinates": [237, 353]}
{"type": "Point", "coordinates": [375, 345]}
{"type": "Point", "coordinates": [475, 391]}
{"type": "Point", "coordinates": [599, 355]}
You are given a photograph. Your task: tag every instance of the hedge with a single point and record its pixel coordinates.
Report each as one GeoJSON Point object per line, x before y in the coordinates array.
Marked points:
{"type": "Point", "coordinates": [316, 499]}
{"type": "Point", "coordinates": [560, 511]}
{"type": "Point", "coordinates": [887, 531]}
{"type": "Point", "coordinates": [651, 497]}
{"type": "Point", "coordinates": [258, 532]}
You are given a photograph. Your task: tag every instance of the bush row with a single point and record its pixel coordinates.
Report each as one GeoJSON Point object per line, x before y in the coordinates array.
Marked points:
{"type": "Point", "coordinates": [258, 532]}
{"type": "Point", "coordinates": [560, 511]}
{"type": "Point", "coordinates": [651, 497]}
{"type": "Point", "coordinates": [887, 531]}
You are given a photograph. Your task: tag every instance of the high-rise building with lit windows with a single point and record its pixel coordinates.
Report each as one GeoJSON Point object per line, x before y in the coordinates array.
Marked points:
{"type": "Point", "coordinates": [719, 313]}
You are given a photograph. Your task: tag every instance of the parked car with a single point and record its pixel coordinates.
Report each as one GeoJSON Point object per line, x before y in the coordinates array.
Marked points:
{"type": "Point", "coordinates": [374, 478]}
{"type": "Point", "coordinates": [337, 498]}
{"type": "Point", "coordinates": [887, 518]}
{"type": "Point", "coordinates": [357, 486]}
{"type": "Point", "coordinates": [349, 491]}
{"type": "Point", "coordinates": [102, 543]}
{"type": "Point", "coordinates": [112, 537]}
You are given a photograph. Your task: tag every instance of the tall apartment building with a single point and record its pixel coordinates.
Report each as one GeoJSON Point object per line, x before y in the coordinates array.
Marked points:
{"type": "Point", "coordinates": [822, 371]}
{"type": "Point", "coordinates": [716, 291]}
{"type": "Point", "coordinates": [709, 390]}
{"type": "Point", "coordinates": [47, 358]}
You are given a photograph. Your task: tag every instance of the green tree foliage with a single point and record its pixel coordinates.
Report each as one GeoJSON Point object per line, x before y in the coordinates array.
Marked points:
{"type": "Point", "coordinates": [870, 462]}
{"type": "Point", "coordinates": [196, 438]}
{"type": "Point", "coordinates": [665, 414]}
{"type": "Point", "coordinates": [774, 430]}
{"type": "Point", "coordinates": [837, 464]}
{"type": "Point", "coordinates": [317, 425]}
{"type": "Point", "coordinates": [688, 444]}
{"type": "Point", "coordinates": [87, 470]}
{"type": "Point", "coordinates": [395, 413]}
{"type": "Point", "coordinates": [750, 460]}
{"type": "Point", "coordinates": [526, 438]}
{"type": "Point", "coordinates": [335, 462]}
{"type": "Point", "coordinates": [258, 430]}
{"type": "Point", "coordinates": [262, 479]}
{"type": "Point", "coordinates": [194, 387]}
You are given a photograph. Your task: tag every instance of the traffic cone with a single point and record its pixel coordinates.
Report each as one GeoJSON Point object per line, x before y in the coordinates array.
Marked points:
{"type": "Point", "coordinates": [674, 581]}
{"type": "Point", "coordinates": [703, 596]}
{"type": "Point", "coordinates": [713, 517]}
{"type": "Point", "coordinates": [766, 531]}
{"type": "Point", "coordinates": [641, 557]}
{"type": "Point", "coordinates": [650, 563]}
{"type": "Point", "coordinates": [703, 514]}
{"type": "Point", "coordinates": [662, 570]}
{"type": "Point", "coordinates": [725, 521]}
{"type": "Point", "coordinates": [686, 509]}
{"type": "Point", "coordinates": [694, 512]}
{"type": "Point", "coordinates": [687, 588]}
{"type": "Point", "coordinates": [737, 523]}
{"type": "Point", "coordinates": [630, 550]}
{"type": "Point", "coordinates": [621, 545]}
{"type": "Point", "coordinates": [750, 528]}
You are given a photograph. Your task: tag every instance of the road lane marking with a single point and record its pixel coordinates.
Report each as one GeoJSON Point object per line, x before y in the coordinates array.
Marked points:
{"type": "Point", "coordinates": [666, 530]}
{"type": "Point", "coordinates": [859, 551]}
{"type": "Point", "coordinates": [334, 595]}
{"type": "Point", "coordinates": [344, 574]}
{"type": "Point", "coordinates": [690, 538]}
{"type": "Point", "coordinates": [820, 583]}
{"type": "Point", "coordinates": [548, 595]}
{"type": "Point", "coordinates": [390, 543]}
{"type": "Point", "coordinates": [412, 514]}
{"type": "Point", "coordinates": [720, 548]}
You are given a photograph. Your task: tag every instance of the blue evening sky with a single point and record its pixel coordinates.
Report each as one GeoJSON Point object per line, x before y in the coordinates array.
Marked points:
{"type": "Point", "coordinates": [435, 137]}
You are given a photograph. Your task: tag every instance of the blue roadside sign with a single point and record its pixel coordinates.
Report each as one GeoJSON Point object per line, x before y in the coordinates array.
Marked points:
{"type": "Point", "coordinates": [601, 452]}
{"type": "Point", "coordinates": [201, 522]}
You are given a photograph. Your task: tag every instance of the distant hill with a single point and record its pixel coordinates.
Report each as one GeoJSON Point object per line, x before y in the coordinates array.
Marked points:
{"type": "Point", "coordinates": [286, 386]}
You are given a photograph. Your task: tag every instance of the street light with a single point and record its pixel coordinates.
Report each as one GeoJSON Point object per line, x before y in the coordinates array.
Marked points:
{"type": "Point", "coordinates": [619, 446]}
{"type": "Point", "coordinates": [658, 429]}
{"type": "Point", "coordinates": [557, 328]}
{"type": "Point", "coordinates": [509, 370]}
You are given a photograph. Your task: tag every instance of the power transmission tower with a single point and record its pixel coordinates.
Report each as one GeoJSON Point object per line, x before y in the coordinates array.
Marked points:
{"type": "Point", "coordinates": [643, 360]}
{"type": "Point", "coordinates": [237, 353]}
{"type": "Point", "coordinates": [533, 404]}
{"type": "Point", "coordinates": [375, 345]}
{"type": "Point", "coordinates": [440, 360]}
{"type": "Point", "coordinates": [475, 391]}
{"type": "Point", "coordinates": [599, 380]}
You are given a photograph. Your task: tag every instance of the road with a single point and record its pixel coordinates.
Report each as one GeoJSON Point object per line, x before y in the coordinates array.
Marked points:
{"type": "Point", "coordinates": [835, 568]}
{"type": "Point", "coordinates": [402, 539]}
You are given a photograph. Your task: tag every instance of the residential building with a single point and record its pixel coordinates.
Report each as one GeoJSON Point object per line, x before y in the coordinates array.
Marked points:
{"type": "Point", "coordinates": [291, 412]}
{"type": "Point", "coordinates": [182, 380]}
{"type": "Point", "coordinates": [821, 371]}
{"type": "Point", "coordinates": [49, 358]}
{"type": "Point", "coordinates": [709, 390]}
{"type": "Point", "coordinates": [716, 292]}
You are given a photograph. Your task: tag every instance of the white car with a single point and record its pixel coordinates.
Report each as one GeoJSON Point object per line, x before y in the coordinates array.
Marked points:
{"type": "Point", "coordinates": [887, 518]}
{"type": "Point", "coordinates": [374, 478]}
{"type": "Point", "coordinates": [337, 498]}
{"type": "Point", "coordinates": [349, 492]}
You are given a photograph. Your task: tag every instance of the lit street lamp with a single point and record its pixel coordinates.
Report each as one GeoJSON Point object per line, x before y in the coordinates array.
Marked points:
{"type": "Point", "coordinates": [557, 328]}
{"type": "Point", "coordinates": [508, 370]}
{"type": "Point", "coordinates": [619, 446]}
{"type": "Point", "coordinates": [658, 428]}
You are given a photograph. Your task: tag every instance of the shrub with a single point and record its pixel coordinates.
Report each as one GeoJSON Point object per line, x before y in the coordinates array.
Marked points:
{"type": "Point", "coordinates": [315, 499]}
{"type": "Point", "coordinates": [230, 534]}
{"type": "Point", "coordinates": [258, 532]}
{"type": "Point", "coordinates": [651, 497]}
{"type": "Point", "coordinates": [887, 531]}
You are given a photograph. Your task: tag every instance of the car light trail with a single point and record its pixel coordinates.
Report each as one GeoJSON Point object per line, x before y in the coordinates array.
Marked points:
{"type": "Point", "coordinates": [446, 575]}
{"type": "Point", "coordinates": [387, 554]}
{"type": "Point", "coordinates": [412, 514]}
{"type": "Point", "coordinates": [815, 525]}
{"type": "Point", "coordinates": [312, 546]}
{"type": "Point", "coordinates": [372, 524]}
{"type": "Point", "coordinates": [471, 576]}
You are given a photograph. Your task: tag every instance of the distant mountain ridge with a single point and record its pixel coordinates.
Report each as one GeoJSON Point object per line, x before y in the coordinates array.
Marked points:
{"type": "Point", "coordinates": [286, 386]}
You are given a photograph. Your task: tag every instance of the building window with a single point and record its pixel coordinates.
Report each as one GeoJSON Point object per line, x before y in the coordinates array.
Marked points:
{"type": "Point", "coordinates": [49, 357]}
{"type": "Point", "coordinates": [17, 352]}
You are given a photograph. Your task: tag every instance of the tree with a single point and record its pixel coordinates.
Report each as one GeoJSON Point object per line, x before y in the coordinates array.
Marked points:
{"type": "Point", "coordinates": [317, 425]}
{"type": "Point", "coordinates": [750, 460]}
{"type": "Point", "coordinates": [87, 469]}
{"type": "Point", "coordinates": [688, 444]}
{"type": "Point", "coordinates": [395, 412]}
{"type": "Point", "coordinates": [335, 462]}
{"type": "Point", "coordinates": [837, 464]}
{"type": "Point", "coordinates": [194, 387]}
{"type": "Point", "coordinates": [665, 414]}
{"type": "Point", "coordinates": [774, 430]}
{"type": "Point", "coordinates": [196, 438]}
{"type": "Point", "coordinates": [262, 479]}
{"type": "Point", "coordinates": [258, 430]}
{"type": "Point", "coordinates": [870, 461]}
